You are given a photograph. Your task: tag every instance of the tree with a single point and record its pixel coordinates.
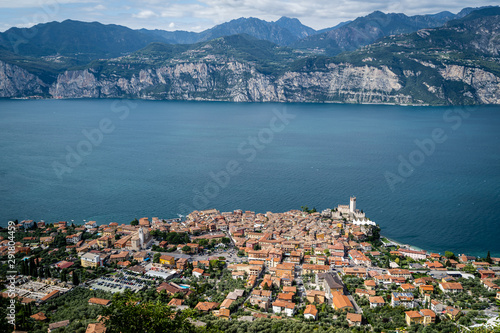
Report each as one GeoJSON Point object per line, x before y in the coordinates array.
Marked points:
{"type": "Point", "coordinates": [449, 255]}
{"type": "Point", "coordinates": [226, 240]}
{"type": "Point", "coordinates": [488, 258]}
{"type": "Point", "coordinates": [76, 280]}
{"type": "Point", "coordinates": [127, 315]}
{"type": "Point", "coordinates": [156, 257]}
{"type": "Point", "coordinates": [134, 222]}
{"type": "Point", "coordinates": [186, 249]}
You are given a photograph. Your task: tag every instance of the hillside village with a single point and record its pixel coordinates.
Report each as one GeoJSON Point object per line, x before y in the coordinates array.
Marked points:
{"type": "Point", "coordinates": [330, 269]}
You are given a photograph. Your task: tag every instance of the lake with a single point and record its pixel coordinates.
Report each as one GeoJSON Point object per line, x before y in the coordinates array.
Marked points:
{"type": "Point", "coordinates": [429, 176]}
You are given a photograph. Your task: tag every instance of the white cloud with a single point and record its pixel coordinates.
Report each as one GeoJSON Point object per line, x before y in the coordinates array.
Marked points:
{"type": "Point", "coordinates": [39, 3]}
{"type": "Point", "coordinates": [171, 25]}
{"type": "Point", "coordinates": [145, 14]}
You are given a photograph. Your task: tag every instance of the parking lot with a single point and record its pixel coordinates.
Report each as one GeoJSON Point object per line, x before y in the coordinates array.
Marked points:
{"type": "Point", "coordinates": [117, 284]}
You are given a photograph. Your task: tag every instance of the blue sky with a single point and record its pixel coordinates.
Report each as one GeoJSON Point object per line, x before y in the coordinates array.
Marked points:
{"type": "Point", "coordinates": [198, 15]}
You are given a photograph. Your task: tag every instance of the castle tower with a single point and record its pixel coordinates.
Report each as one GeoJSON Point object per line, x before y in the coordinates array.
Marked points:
{"type": "Point", "coordinates": [141, 237]}
{"type": "Point", "coordinates": [352, 205]}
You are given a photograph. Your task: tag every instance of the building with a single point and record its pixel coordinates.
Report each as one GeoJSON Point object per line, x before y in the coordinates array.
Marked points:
{"type": "Point", "coordinates": [167, 260]}
{"type": "Point", "coordinates": [354, 319]}
{"type": "Point", "coordinates": [340, 301]}
{"type": "Point", "coordinates": [288, 308]}
{"type": "Point", "coordinates": [424, 317]}
{"type": "Point", "coordinates": [331, 283]}
{"type": "Point", "coordinates": [206, 306]}
{"type": "Point", "coordinates": [91, 260]}
{"type": "Point", "coordinates": [406, 300]}
{"type": "Point", "coordinates": [261, 298]}
{"type": "Point", "coordinates": [376, 301]}
{"type": "Point", "coordinates": [198, 272]}
{"type": "Point", "coordinates": [451, 287]}
{"type": "Point", "coordinates": [311, 312]}
{"type": "Point", "coordinates": [99, 301]}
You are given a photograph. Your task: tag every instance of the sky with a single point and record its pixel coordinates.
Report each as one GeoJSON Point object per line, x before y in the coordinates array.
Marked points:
{"type": "Point", "coordinates": [198, 15]}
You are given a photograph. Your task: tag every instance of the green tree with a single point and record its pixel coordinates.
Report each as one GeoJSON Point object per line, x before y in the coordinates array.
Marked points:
{"type": "Point", "coordinates": [156, 257]}
{"type": "Point", "coordinates": [134, 222]}
{"type": "Point", "coordinates": [186, 249]}
{"type": "Point", "coordinates": [127, 315]}
{"type": "Point", "coordinates": [76, 280]}
{"type": "Point", "coordinates": [449, 255]}
{"type": "Point", "coordinates": [488, 258]}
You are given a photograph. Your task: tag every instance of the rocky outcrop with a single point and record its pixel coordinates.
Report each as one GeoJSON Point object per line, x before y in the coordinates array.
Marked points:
{"type": "Point", "coordinates": [486, 84]}
{"type": "Point", "coordinates": [235, 81]}
{"type": "Point", "coordinates": [17, 82]}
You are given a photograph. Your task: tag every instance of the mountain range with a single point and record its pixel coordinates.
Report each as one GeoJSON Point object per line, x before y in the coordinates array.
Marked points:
{"type": "Point", "coordinates": [368, 59]}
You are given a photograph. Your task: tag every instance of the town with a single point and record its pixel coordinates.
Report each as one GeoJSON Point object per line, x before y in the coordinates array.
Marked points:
{"type": "Point", "coordinates": [243, 271]}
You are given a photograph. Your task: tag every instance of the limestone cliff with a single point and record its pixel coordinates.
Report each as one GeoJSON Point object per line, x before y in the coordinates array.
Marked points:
{"type": "Point", "coordinates": [17, 82]}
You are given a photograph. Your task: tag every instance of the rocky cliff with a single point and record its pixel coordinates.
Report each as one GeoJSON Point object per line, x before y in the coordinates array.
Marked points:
{"type": "Point", "coordinates": [17, 82]}
{"type": "Point", "coordinates": [237, 82]}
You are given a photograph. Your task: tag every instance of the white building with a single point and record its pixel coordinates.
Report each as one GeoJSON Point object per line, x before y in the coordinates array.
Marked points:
{"type": "Point", "coordinates": [286, 307]}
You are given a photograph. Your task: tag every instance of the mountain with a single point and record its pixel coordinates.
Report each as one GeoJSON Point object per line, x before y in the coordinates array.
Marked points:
{"type": "Point", "coordinates": [295, 27]}
{"type": "Point", "coordinates": [365, 30]}
{"type": "Point", "coordinates": [456, 64]}
{"type": "Point", "coordinates": [82, 41]}
{"type": "Point", "coordinates": [282, 32]}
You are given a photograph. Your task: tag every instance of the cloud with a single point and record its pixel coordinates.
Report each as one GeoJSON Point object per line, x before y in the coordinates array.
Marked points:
{"type": "Point", "coordinates": [171, 25]}
{"type": "Point", "coordinates": [197, 15]}
{"type": "Point", "coordinates": [145, 14]}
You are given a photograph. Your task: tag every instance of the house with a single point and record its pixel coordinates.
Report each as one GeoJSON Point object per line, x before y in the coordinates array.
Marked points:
{"type": "Point", "coordinates": [404, 299]}
{"type": "Point", "coordinates": [99, 301]}
{"type": "Point", "coordinates": [222, 313]}
{"type": "Point", "coordinates": [51, 295]}
{"type": "Point", "coordinates": [331, 283]}
{"type": "Point", "coordinates": [376, 301]}
{"type": "Point", "coordinates": [90, 260]}
{"type": "Point", "coordinates": [96, 328]}
{"type": "Point", "coordinates": [315, 296]}
{"type": "Point", "coordinates": [226, 303]}
{"type": "Point", "coordinates": [354, 319]}
{"type": "Point", "coordinates": [452, 313]}
{"type": "Point", "coordinates": [311, 312]}
{"type": "Point", "coordinates": [486, 274]}
{"type": "Point", "coordinates": [287, 297]}
{"type": "Point", "coordinates": [261, 298]}
{"type": "Point", "coordinates": [424, 316]}
{"type": "Point", "coordinates": [408, 287]}
{"type": "Point", "coordinates": [364, 292]}
{"type": "Point", "coordinates": [429, 316]}
{"type": "Point", "coordinates": [59, 324]}
{"type": "Point", "coordinates": [206, 306]}
{"type": "Point", "coordinates": [426, 289]}
{"type": "Point", "coordinates": [466, 259]}
{"type": "Point", "coordinates": [167, 260]}
{"type": "Point", "coordinates": [198, 272]}
{"type": "Point", "coordinates": [413, 317]}
{"type": "Point", "coordinates": [370, 284]}
{"type": "Point", "coordinates": [355, 271]}
{"type": "Point", "coordinates": [397, 272]}
{"type": "Point", "coordinates": [169, 288]}
{"type": "Point", "coordinates": [340, 301]}
{"type": "Point", "coordinates": [40, 316]}
{"type": "Point", "coordinates": [436, 306]}
{"type": "Point", "coordinates": [281, 306]}
{"type": "Point", "coordinates": [182, 263]}
{"type": "Point", "coordinates": [451, 287]}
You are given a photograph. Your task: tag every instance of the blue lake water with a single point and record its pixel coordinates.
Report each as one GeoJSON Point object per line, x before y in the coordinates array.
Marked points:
{"type": "Point", "coordinates": [152, 158]}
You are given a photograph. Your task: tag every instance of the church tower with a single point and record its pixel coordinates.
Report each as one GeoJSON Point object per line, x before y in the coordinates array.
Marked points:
{"type": "Point", "coordinates": [352, 205]}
